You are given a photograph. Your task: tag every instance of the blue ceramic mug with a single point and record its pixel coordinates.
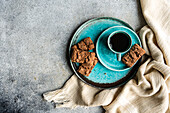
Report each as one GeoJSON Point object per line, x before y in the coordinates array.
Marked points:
{"type": "Point", "coordinates": [119, 42]}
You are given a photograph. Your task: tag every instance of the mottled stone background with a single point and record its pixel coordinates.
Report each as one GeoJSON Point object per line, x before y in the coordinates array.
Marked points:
{"type": "Point", "coordinates": [34, 37]}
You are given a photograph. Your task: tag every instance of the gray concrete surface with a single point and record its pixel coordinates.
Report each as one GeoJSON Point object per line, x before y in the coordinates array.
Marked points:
{"type": "Point", "coordinates": [34, 36]}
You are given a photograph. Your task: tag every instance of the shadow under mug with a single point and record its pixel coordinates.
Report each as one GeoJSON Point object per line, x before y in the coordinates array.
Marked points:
{"type": "Point", "coordinates": [125, 41]}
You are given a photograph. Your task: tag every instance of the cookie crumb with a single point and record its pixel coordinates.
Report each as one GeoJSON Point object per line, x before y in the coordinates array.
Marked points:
{"type": "Point", "coordinates": [35, 78]}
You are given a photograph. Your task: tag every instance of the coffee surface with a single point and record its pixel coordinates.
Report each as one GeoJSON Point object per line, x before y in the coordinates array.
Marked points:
{"type": "Point", "coordinates": [120, 42]}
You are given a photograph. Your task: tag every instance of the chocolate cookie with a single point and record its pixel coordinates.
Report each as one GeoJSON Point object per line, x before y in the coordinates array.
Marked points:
{"type": "Point", "coordinates": [79, 55]}
{"type": "Point", "coordinates": [86, 68]}
{"type": "Point", "coordinates": [133, 55]}
{"type": "Point", "coordinates": [86, 44]}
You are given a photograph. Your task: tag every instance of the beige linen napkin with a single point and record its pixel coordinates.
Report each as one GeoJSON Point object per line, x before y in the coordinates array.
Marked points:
{"type": "Point", "coordinates": [149, 91]}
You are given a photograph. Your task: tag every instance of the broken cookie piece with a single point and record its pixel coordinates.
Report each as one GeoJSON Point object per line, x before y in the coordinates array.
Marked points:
{"type": "Point", "coordinates": [90, 58]}
{"type": "Point", "coordinates": [86, 68]}
{"type": "Point", "coordinates": [135, 53]}
{"type": "Point", "coordinates": [86, 44]}
{"type": "Point", "coordinates": [74, 55]}
{"type": "Point", "coordinates": [79, 55]}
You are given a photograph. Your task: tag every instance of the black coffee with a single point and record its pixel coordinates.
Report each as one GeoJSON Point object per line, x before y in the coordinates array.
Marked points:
{"type": "Point", "coordinates": [120, 42]}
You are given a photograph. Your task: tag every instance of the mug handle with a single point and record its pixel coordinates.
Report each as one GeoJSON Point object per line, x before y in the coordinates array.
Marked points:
{"type": "Point", "coordinates": [118, 56]}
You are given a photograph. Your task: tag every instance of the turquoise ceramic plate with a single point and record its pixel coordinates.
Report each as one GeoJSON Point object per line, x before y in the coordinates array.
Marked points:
{"type": "Point", "coordinates": [100, 76]}
{"type": "Point", "coordinates": [106, 56]}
